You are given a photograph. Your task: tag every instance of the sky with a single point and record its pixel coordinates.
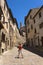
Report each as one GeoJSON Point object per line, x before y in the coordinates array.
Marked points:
{"type": "Point", "coordinates": [20, 8]}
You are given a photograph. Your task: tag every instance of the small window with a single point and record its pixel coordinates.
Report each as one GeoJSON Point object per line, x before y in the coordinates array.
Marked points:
{"type": "Point", "coordinates": [31, 27]}
{"type": "Point", "coordinates": [8, 42]}
{"type": "Point", "coordinates": [3, 36]}
{"type": "Point", "coordinates": [30, 17]}
{"type": "Point", "coordinates": [28, 22]}
{"type": "Point", "coordinates": [7, 25]}
{"type": "Point", "coordinates": [35, 30]}
{"type": "Point", "coordinates": [39, 14]}
{"type": "Point", "coordinates": [4, 6]}
{"type": "Point", "coordinates": [41, 25]}
{"type": "Point", "coordinates": [0, 17]}
{"type": "Point", "coordinates": [28, 30]}
{"type": "Point", "coordinates": [34, 20]}
{"type": "Point", "coordinates": [7, 13]}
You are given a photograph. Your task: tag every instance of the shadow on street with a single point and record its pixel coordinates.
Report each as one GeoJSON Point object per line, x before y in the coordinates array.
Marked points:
{"type": "Point", "coordinates": [33, 50]}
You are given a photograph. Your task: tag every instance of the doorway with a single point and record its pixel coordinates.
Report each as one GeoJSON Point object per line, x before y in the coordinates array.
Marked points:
{"type": "Point", "coordinates": [42, 40]}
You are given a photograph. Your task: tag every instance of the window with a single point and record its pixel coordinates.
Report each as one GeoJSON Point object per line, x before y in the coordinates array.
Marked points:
{"type": "Point", "coordinates": [39, 14]}
{"type": "Point", "coordinates": [41, 25]}
{"type": "Point", "coordinates": [28, 30]}
{"type": "Point", "coordinates": [4, 6]}
{"type": "Point", "coordinates": [6, 24]}
{"type": "Point", "coordinates": [31, 27]}
{"type": "Point", "coordinates": [7, 12]}
{"type": "Point", "coordinates": [35, 30]}
{"type": "Point", "coordinates": [3, 36]}
{"type": "Point", "coordinates": [0, 17]}
{"type": "Point", "coordinates": [28, 22]}
{"type": "Point", "coordinates": [30, 17]}
{"type": "Point", "coordinates": [8, 42]}
{"type": "Point", "coordinates": [34, 20]}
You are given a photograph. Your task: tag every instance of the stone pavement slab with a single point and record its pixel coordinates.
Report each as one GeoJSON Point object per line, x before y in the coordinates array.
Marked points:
{"type": "Point", "coordinates": [10, 58]}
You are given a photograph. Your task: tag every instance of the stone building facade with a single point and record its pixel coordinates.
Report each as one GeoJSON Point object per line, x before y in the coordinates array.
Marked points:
{"type": "Point", "coordinates": [32, 25]}
{"type": "Point", "coordinates": [7, 27]}
{"type": "Point", "coordinates": [38, 27]}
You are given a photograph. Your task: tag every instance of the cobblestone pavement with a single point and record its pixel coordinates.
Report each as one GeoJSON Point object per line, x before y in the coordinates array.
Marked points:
{"type": "Point", "coordinates": [10, 58]}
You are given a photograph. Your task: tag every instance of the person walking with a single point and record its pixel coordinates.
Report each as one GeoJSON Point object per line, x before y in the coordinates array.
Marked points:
{"type": "Point", "coordinates": [20, 50]}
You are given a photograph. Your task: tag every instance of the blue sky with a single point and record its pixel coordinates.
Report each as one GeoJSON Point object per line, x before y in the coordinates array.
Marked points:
{"type": "Point", "coordinates": [20, 8]}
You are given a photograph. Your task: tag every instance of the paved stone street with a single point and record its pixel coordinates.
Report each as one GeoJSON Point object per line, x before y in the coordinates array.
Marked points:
{"type": "Point", "coordinates": [10, 58]}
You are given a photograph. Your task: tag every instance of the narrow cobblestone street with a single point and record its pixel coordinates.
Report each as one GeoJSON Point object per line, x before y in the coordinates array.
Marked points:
{"type": "Point", "coordinates": [9, 58]}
